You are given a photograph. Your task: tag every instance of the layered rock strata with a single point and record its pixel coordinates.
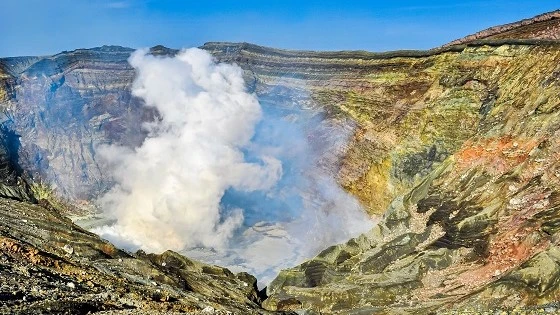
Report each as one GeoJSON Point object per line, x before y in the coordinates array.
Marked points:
{"type": "Point", "coordinates": [456, 148]}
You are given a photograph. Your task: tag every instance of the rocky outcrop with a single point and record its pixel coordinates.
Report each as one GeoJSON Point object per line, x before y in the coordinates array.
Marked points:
{"type": "Point", "coordinates": [50, 266]}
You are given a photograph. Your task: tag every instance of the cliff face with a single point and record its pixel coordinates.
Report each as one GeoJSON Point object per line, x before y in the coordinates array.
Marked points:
{"type": "Point", "coordinates": [63, 106]}
{"type": "Point", "coordinates": [456, 148]}
{"type": "Point", "coordinates": [414, 109]}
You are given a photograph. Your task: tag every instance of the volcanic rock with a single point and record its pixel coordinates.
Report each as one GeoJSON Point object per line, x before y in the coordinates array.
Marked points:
{"type": "Point", "coordinates": [37, 275]}
{"type": "Point", "coordinates": [456, 149]}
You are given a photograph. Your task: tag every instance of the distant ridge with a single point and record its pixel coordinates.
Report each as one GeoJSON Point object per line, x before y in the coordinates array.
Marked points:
{"type": "Point", "coordinates": [543, 26]}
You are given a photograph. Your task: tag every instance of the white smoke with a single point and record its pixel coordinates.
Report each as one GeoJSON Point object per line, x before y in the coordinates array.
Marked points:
{"type": "Point", "coordinates": [169, 189]}
{"type": "Point", "coordinates": [223, 179]}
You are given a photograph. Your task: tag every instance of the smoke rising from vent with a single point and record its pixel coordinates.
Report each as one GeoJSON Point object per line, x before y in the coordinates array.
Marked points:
{"type": "Point", "coordinates": [169, 189]}
{"type": "Point", "coordinates": [221, 177]}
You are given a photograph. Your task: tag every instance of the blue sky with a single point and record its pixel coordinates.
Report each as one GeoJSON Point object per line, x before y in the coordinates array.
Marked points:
{"type": "Point", "coordinates": [36, 27]}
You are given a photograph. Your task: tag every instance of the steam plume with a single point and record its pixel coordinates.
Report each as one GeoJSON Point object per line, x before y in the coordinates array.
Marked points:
{"type": "Point", "coordinates": [169, 189]}
{"type": "Point", "coordinates": [224, 178]}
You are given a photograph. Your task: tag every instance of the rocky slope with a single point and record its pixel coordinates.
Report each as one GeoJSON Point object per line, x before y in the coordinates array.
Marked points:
{"type": "Point", "coordinates": [50, 266]}
{"type": "Point", "coordinates": [455, 147]}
